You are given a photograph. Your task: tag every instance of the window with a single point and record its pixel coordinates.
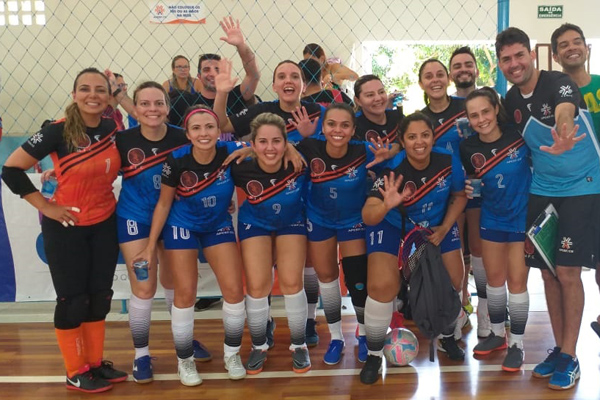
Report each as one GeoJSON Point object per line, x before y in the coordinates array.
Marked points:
{"type": "Point", "coordinates": [25, 12]}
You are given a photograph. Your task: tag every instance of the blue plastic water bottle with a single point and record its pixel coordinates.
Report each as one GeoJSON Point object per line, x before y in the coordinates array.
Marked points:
{"type": "Point", "coordinates": [49, 187]}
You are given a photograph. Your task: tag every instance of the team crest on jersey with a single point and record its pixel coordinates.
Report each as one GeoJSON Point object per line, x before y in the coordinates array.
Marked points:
{"type": "Point", "coordinates": [221, 175]}
{"type": "Point", "coordinates": [478, 161]}
{"type": "Point", "coordinates": [84, 143]}
{"type": "Point", "coordinates": [518, 116]}
{"type": "Point", "coordinates": [166, 170]}
{"type": "Point", "coordinates": [371, 135]}
{"type": "Point", "coordinates": [317, 166]}
{"type": "Point", "coordinates": [291, 184]}
{"type": "Point", "coordinates": [352, 172]}
{"type": "Point", "coordinates": [36, 138]}
{"type": "Point", "coordinates": [410, 188]}
{"type": "Point", "coordinates": [441, 182]}
{"type": "Point", "coordinates": [379, 182]}
{"type": "Point", "coordinates": [546, 110]}
{"type": "Point", "coordinates": [136, 156]}
{"type": "Point", "coordinates": [254, 188]}
{"type": "Point", "coordinates": [565, 91]}
{"type": "Point", "coordinates": [188, 179]}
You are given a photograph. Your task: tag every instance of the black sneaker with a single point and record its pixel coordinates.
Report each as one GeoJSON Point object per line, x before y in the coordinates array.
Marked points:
{"type": "Point", "coordinates": [449, 346]}
{"type": "Point", "coordinates": [87, 382]}
{"type": "Point", "coordinates": [370, 371]}
{"type": "Point", "coordinates": [107, 372]}
{"type": "Point", "coordinates": [205, 303]}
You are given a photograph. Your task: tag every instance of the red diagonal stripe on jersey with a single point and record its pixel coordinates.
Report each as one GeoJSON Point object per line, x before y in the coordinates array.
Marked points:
{"type": "Point", "coordinates": [445, 127]}
{"type": "Point", "coordinates": [500, 155]}
{"type": "Point", "coordinates": [83, 154]}
{"type": "Point", "coordinates": [331, 175]}
{"type": "Point", "coordinates": [133, 172]}
{"type": "Point", "coordinates": [273, 190]}
{"type": "Point", "coordinates": [428, 187]}
{"type": "Point", "coordinates": [201, 185]}
{"type": "Point", "coordinates": [162, 156]}
{"type": "Point", "coordinates": [94, 150]}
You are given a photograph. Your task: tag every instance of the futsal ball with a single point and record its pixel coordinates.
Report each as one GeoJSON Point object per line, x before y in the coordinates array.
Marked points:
{"type": "Point", "coordinates": [401, 347]}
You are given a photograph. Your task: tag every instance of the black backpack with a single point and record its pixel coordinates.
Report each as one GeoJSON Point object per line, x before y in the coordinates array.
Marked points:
{"type": "Point", "coordinates": [433, 300]}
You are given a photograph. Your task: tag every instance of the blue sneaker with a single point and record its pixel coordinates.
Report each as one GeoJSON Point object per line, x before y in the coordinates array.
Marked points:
{"type": "Point", "coordinates": [566, 373]}
{"type": "Point", "coordinates": [334, 352]}
{"type": "Point", "coordinates": [201, 353]}
{"type": "Point", "coordinates": [363, 352]}
{"type": "Point", "coordinates": [312, 337]}
{"type": "Point", "coordinates": [142, 370]}
{"type": "Point", "coordinates": [271, 325]}
{"type": "Point", "coordinates": [546, 368]}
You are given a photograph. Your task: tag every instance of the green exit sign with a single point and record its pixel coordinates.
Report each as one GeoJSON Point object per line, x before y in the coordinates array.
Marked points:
{"type": "Point", "coordinates": [550, 11]}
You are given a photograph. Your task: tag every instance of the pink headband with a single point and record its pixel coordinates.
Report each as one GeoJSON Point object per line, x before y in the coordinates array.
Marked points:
{"type": "Point", "coordinates": [199, 110]}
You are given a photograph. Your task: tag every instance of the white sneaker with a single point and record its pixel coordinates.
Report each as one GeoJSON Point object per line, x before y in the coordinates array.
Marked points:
{"type": "Point", "coordinates": [484, 325]}
{"type": "Point", "coordinates": [235, 368]}
{"type": "Point", "coordinates": [186, 369]}
{"type": "Point", "coordinates": [461, 322]}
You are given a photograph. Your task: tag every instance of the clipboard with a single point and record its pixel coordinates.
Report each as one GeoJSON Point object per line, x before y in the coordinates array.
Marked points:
{"type": "Point", "coordinates": [543, 235]}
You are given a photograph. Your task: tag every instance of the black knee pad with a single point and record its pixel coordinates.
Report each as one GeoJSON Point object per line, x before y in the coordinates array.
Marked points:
{"type": "Point", "coordinates": [70, 312]}
{"type": "Point", "coordinates": [99, 305]}
{"type": "Point", "coordinates": [355, 277]}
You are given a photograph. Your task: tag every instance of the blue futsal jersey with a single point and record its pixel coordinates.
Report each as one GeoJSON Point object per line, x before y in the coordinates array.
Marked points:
{"type": "Point", "coordinates": [273, 200]}
{"type": "Point", "coordinates": [503, 167]}
{"type": "Point", "coordinates": [338, 186]}
{"type": "Point", "coordinates": [575, 172]}
{"type": "Point", "coordinates": [445, 134]}
{"type": "Point", "coordinates": [204, 192]}
{"type": "Point", "coordinates": [141, 164]}
{"type": "Point", "coordinates": [241, 121]}
{"type": "Point", "coordinates": [430, 188]}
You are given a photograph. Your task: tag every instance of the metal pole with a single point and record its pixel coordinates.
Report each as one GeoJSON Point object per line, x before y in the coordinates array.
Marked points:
{"type": "Point", "coordinates": [503, 21]}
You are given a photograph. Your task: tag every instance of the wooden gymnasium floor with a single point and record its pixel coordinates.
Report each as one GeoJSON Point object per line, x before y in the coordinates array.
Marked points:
{"type": "Point", "coordinates": [31, 367]}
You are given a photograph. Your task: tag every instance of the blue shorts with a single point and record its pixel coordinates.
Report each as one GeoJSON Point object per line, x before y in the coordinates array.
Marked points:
{"type": "Point", "coordinates": [318, 233]}
{"type": "Point", "coordinates": [493, 235]}
{"type": "Point", "coordinates": [246, 231]}
{"type": "Point", "coordinates": [129, 230]}
{"type": "Point", "coordinates": [385, 238]}
{"type": "Point", "coordinates": [473, 203]}
{"type": "Point", "coordinates": [177, 238]}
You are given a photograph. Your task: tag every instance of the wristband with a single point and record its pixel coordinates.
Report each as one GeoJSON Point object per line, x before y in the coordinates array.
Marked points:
{"type": "Point", "coordinates": [116, 92]}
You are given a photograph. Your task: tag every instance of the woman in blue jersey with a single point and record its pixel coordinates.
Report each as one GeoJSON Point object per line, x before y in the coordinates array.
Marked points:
{"type": "Point", "coordinates": [499, 157]}
{"type": "Point", "coordinates": [337, 191]}
{"type": "Point", "coordinates": [429, 183]}
{"type": "Point", "coordinates": [196, 191]}
{"type": "Point", "coordinates": [272, 217]}
{"type": "Point", "coordinates": [143, 149]}
{"type": "Point", "coordinates": [444, 110]}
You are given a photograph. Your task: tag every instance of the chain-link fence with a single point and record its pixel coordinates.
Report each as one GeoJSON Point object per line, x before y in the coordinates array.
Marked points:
{"type": "Point", "coordinates": [45, 43]}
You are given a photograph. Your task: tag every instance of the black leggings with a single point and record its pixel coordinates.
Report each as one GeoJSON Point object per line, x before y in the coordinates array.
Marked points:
{"type": "Point", "coordinates": [82, 261]}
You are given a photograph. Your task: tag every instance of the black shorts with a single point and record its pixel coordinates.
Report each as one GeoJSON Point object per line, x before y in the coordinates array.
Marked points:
{"type": "Point", "coordinates": [577, 238]}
